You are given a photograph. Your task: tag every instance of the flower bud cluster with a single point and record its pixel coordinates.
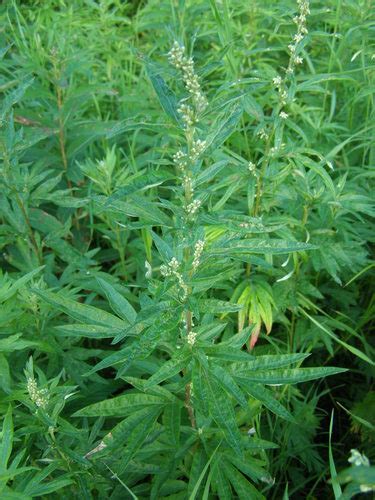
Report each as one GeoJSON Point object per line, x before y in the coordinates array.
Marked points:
{"type": "Point", "coordinates": [198, 249]}
{"type": "Point", "coordinates": [252, 167]}
{"type": "Point", "coordinates": [188, 186]}
{"type": "Point", "coordinates": [197, 149]}
{"type": "Point", "coordinates": [180, 61]}
{"type": "Point", "coordinates": [300, 21]}
{"type": "Point", "coordinates": [357, 459]}
{"type": "Point", "coordinates": [262, 134]}
{"type": "Point", "coordinates": [191, 338]}
{"type": "Point", "coordinates": [193, 207]}
{"type": "Point", "coordinates": [180, 159]}
{"type": "Point", "coordinates": [37, 396]}
{"type": "Point", "coordinates": [172, 269]}
{"type": "Point", "coordinates": [279, 84]}
{"type": "Point", "coordinates": [187, 115]}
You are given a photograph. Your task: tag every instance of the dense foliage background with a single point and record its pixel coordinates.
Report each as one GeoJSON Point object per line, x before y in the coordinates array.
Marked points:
{"type": "Point", "coordinates": [156, 308]}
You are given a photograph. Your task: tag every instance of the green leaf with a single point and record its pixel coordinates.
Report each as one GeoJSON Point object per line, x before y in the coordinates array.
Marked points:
{"type": "Point", "coordinates": [223, 127]}
{"type": "Point", "coordinates": [135, 206]}
{"type": "Point", "coordinates": [361, 474]}
{"type": "Point", "coordinates": [255, 245]}
{"type": "Point", "coordinates": [88, 331]}
{"type": "Point", "coordinates": [337, 339]}
{"type": "Point", "coordinates": [13, 97]}
{"type": "Point", "coordinates": [139, 434]}
{"type": "Point", "coordinates": [121, 432]}
{"type": "Point", "coordinates": [334, 481]}
{"type": "Point", "coordinates": [43, 221]}
{"type": "Point", "coordinates": [221, 410]}
{"type": "Point", "coordinates": [81, 312]}
{"type": "Point", "coordinates": [121, 405]}
{"type": "Point", "coordinates": [117, 302]}
{"type": "Point", "coordinates": [290, 376]}
{"type": "Point", "coordinates": [9, 292]}
{"type": "Point", "coordinates": [252, 469]}
{"type": "Point", "coordinates": [228, 383]}
{"type": "Point", "coordinates": [202, 474]}
{"type": "Point", "coordinates": [166, 97]}
{"type": "Point", "coordinates": [172, 421]}
{"type": "Point", "coordinates": [239, 339]}
{"type": "Point", "coordinates": [7, 439]}
{"type": "Point", "coordinates": [242, 486]}
{"type": "Point", "coordinates": [164, 249]}
{"type": "Point", "coordinates": [252, 108]}
{"type": "Point", "coordinates": [266, 397]}
{"type": "Point", "coordinates": [169, 369]}
{"type": "Point", "coordinates": [38, 490]}
{"type": "Point", "coordinates": [227, 353]}
{"type": "Point", "coordinates": [268, 362]}
{"type": "Point", "coordinates": [210, 172]}
{"type": "Point", "coordinates": [217, 306]}
{"type": "Point", "coordinates": [221, 482]}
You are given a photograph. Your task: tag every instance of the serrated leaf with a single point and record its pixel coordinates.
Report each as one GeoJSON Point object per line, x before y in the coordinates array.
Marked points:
{"type": "Point", "coordinates": [121, 405]}
{"type": "Point", "coordinates": [40, 489]}
{"type": "Point", "coordinates": [337, 339]}
{"type": "Point", "coordinates": [166, 97]}
{"type": "Point", "coordinates": [89, 331]}
{"type": "Point", "coordinates": [169, 369]}
{"type": "Point", "coordinates": [254, 245]}
{"type": "Point", "coordinates": [13, 97]}
{"type": "Point", "coordinates": [221, 483]}
{"type": "Point", "coordinates": [227, 353]}
{"type": "Point", "coordinates": [139, 434]}
{"type": "Point", "coordinates": [117, 302]}
{"type": "Point", "coordinates": [250, 468]}
{"type": "Point", "coordinates": [81, 312]}
{"type": "Point", "coordinates": [241, 485]}
{"type": "Point", "coordinates": [238, 340]}
{"type": "Point", "coordinates": [268, 362]}
{"type": "Point", "coordinates": [121, 432]}
{"type": "Point", "coordinates": [166, 252]}
{"type": "Point", "coordinates": [266, 397]}
{"type": "Point", "coordinates": [6, 439]}
{"type": "Point", "coordinates": [217, 306]}
{"type": "Point", "coordinates": [172, 421]}
{"type": "Point", "coordinates": [223, 127]}
{"type": "Point", "coordinates": [221, 410]}
{"type": "Point", "coordinates": [228, 383]}
{"type": "Point", "coordinates": [19, 283]}
{"type": "Point", "coordinates": [290, 375]}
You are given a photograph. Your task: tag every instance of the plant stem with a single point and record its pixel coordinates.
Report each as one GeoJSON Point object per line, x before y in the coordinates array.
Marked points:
{"type": "Point", "coordinates": [62, 135]}
{"type": "Point", "coordinates": [188, 404]}
{"type": "Point", "coordinates": [29, 228]}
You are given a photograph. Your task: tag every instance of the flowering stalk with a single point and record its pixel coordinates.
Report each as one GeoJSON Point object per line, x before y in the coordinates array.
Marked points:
{"type": "Point", "coordinates": [185, 160]}
{"type": "Point", "coordinates": [280, 84]}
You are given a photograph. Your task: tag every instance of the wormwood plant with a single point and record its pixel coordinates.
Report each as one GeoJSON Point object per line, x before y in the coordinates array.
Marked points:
{"type": "Point", "coordinates": [191, 392]}
{"type": "Point", "coordinates": [141, 274]}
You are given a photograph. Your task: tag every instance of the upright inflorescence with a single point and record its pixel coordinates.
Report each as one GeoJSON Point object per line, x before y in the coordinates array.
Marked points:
{"type": "Point", "coordinates": [300, 21]}
{"type": "Point", "coordinates": [198, 249]}
{"type": "Point", "coordinates": [185, 64]}
{"type": "Point", "coordinates": [294, 49]}
{"type": "Point", "coordinates": [172, 270]}
{"type": "Point", "coordinates": [189, 109]}
{"type": "Point", "coordinates": [37, 396]}
{"type": "Point", "coordinates": [186, 162]}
